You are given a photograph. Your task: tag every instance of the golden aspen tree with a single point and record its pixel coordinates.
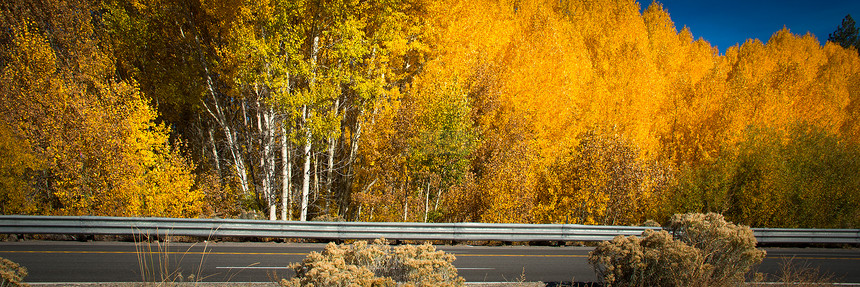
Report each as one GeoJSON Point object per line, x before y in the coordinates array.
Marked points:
{"type": "Point", "coordinates": [17, 171]}
{"type": "Point", "coordinates": [557, 77]}
{"type": "Point", "coordinates": [594, 112]}
{"type": "Point", "coordinates": [782, 102]}
{"type": "Point", "coordinates": [104, 154]}
{"type": "Point", "coordinates": [167, 47]}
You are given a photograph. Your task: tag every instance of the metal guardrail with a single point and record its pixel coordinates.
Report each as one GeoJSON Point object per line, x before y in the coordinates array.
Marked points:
{"type": "Point", "coordinates": [825, 236]}
{"type": "Point", "coordinates": [96, 225]}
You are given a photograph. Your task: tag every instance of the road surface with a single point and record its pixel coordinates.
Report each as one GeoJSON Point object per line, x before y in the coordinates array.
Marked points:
{"type": "Point", "coordinates": [52, 261]}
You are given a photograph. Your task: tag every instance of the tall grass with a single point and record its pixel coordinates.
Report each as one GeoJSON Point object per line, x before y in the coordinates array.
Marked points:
{"type": "Point", "coordinates": [792, 273]}
{"type": "Point", "coordinates": [159, 265]}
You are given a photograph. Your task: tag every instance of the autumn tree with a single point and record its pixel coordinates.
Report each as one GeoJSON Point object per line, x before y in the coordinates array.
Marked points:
{"type": "Point", "coordinates": [103, 153]}
{"type": "Point", "coordinates": [166, 47]}
{"type": "Point", "coordinates": [782, 94]}
{"type": "Point", "coordinates": [539, 85]}
{"type": "Point", "coordinates": [280, 88]}
{"type": "Point", "coordinates": [348, 56]}
{"type": "Point", "coordinates": [19, 169]}
{"type": "Point", "coordinates": [601, 181]}
{"type": "Point", "coordinates": [596, 112]}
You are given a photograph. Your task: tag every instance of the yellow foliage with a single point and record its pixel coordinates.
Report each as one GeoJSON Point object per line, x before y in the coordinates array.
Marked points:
{"type": "Point", "coordinates": [103, 153]}
{"type": "Point", "coordinates": [431, 110]}
{"type": "Point", "coordinates": [546, 73]}
{"type": "Point", "coordinates": [18, 166]}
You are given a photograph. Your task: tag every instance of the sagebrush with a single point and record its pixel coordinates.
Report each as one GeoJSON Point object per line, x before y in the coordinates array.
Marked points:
{"type": "Point", "coordinates": [701, 250]}
{"type": "Point", "coordinates": [12, 274]}
{"type": "Point", "coordinates": [377, 264]}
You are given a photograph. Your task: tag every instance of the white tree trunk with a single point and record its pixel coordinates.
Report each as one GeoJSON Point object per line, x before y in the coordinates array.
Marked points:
{"type": "Point", "coordinates": [427, 202]}
{"type": "Point", "coordinates": [286, 177]}
{"type": "Point", "coordinates": [215, 158]}
{"type": "Point", "coordinates": [316, 179]}
{"type": "Point", "coordinates": [406, 202]}
{"type": "Point", "coordinates": [330, 170]}
{"type": "Point", "coordinates": [238, 160]}
{"type": "Point", "coordinates": [306, 177]}
{"type": "Point", "coordinates": [286, 159]}
{"type": "Point", "coordinates": [217, 114]}
{"type": "Point", "coordinates": [268, 165]}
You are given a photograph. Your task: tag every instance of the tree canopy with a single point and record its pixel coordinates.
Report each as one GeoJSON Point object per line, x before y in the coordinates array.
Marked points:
{"type": "Point", "coordinates": [591, 112]}
{"type": "Point", "coordinates": [846, 35]}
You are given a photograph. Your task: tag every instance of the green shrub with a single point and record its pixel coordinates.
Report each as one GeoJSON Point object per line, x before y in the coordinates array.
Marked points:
{"type": "Point", "coordinates": [377, 264]}
{"type": "Point", "coordinates": [702, 250]}
{"type": "Point", "coordinates": [799, 177]}
{"type": "Point", "coordinates": [11, 273]}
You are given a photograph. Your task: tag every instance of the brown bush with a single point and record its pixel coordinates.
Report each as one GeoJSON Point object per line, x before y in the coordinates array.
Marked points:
{"type": "Point", "coordinates": [12, 274]}
{"type": "Point", "coordinates": [703, 250]}
{"type": "Point", "coordinates": [377, 264]}
{"type": "Point", "coordinates": [729, 248]}
{"type": "Point", "coordinates": [653, 259]}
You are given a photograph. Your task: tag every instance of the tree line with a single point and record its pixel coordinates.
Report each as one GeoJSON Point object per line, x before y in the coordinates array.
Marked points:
{"type": "Point", "coordinates": [593, 112]}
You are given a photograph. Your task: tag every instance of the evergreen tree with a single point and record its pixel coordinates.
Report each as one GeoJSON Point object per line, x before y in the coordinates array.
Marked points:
{"type": "Point", "coordinates": [846, 34]}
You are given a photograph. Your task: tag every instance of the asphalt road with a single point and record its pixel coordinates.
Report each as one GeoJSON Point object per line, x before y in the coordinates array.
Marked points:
{"type": "Point", "coordinates": [51, 261]}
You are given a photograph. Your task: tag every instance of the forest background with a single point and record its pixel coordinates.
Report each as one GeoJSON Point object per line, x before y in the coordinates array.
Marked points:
{"type": "Point", "coordinates": [575, 111]}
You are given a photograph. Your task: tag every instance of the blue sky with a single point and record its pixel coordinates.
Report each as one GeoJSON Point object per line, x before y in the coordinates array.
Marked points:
{"type": "Point", "coordinates": [729, 22]}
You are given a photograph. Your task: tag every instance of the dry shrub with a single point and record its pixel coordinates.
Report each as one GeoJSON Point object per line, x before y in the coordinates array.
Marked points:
{"type": "Point", "coordinates": [728, 247]}
{"type": "Point", "coordinates": [704, 251]}
{"type": "Point", "coordinates": [377, 264]}
{"type": "Point", "coordinates": [653, 259]}
{"type": "Point", "coordinates": [11, 273]}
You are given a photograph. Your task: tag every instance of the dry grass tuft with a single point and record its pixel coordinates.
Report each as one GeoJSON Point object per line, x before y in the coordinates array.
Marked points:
{"type": "Point", "coordinates": [799, 275]}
